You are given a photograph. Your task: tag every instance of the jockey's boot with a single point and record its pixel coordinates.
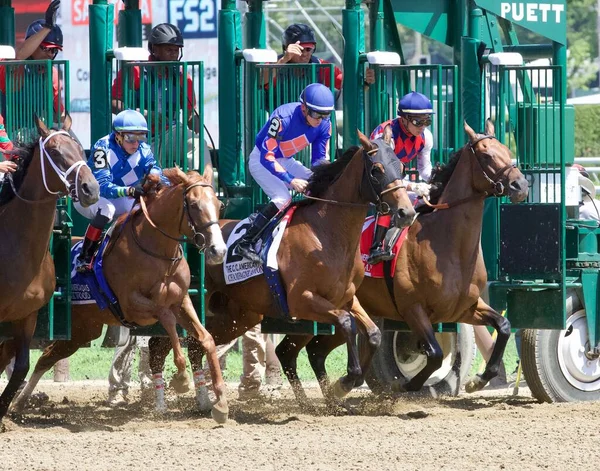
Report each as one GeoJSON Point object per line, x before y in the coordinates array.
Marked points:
{"type": "Point", "coordinates": [380, 252]}
{"type": "Point", "coordinates": [245, 246]}
{"type": "Point", "coordinates": [93, 236]}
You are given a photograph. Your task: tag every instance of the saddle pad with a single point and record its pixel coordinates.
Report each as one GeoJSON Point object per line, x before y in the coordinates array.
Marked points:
{"type": "Point", "coordinates": [237, 268]}
{"type": "Point", "coordinates": [366, 241]}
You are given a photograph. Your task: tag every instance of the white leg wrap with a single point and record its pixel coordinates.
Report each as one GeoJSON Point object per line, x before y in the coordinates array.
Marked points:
{"type": "Point", "coordinates": [159, 392]}
{"type": "Point", "coordinates": [202, 398]}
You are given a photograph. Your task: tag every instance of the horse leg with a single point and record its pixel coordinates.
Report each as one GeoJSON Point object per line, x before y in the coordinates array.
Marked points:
{"type": "Point", "coordinates": [83, 330]}
{"type": "Point", "coordinates": [318, 349]}
{"type": "Point", "coordinates": [485, 315]}
{"type": "Point", "coordinates": [188, 318]}
{"type": "Point", "coordinates": [368, 328]}
{"type": "Point", "coordinates": [181, 380]}
{"type": "Point", "coordinates": [158, 349]}
{"type": "Point", "coordinates": [22, 334]}
{"type": "Point", "coordinates": [287, 352]}
{"type": "Point", "coordinates": [7, 353]}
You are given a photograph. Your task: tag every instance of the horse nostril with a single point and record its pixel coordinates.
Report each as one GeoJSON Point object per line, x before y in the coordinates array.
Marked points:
{"type": "Point", "coordinates": [86, 189]}
{"type": "Point", "coordinates": [515, 185]}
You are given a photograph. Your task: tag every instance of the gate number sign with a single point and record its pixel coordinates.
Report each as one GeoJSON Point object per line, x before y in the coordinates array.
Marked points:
{"type": "Point", "coordinates": [194, 18]}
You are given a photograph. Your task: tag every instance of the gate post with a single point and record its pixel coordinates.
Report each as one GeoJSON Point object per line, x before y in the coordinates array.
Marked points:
{"type": "Point", "coordinates": [129, 29]}
{"type": "Point", "coordinates": [354, 33]}
{"type": "Point", "coordinates": [101, 34]}
{"type": "Point", "coordinates": [7, 23]}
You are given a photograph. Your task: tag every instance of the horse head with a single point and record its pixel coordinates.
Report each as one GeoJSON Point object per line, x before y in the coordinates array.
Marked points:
{"type": "Point", "coordinates": [201, 209]}
{"type": "Point", "coordinates": [383, 181]}
{"type": "Point", "coordinates": [63, 164]}
{"type": "Point", "coordinates": [495, 173]}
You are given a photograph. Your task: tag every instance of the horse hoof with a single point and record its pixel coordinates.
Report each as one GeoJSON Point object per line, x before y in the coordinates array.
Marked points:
{"type": "Point", "coordinates": [220, 412]}
{"type": "Point", "coordinates": [398, 387]}
{"type": "Point", "coordinates": [339, 390]}
{"type": "Point", "coordinates": [474, 384]}
{"type": "Point", "coordinates": [180, 383]}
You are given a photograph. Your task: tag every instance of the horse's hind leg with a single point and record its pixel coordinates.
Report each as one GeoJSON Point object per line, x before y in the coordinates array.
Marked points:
{"type": "Point", "coordinates": [22, 334]}
{"type": "Point", "coordinates": [180, 381]}
{"type": "Point", "coordinates": [7, 353]}
{"type": "Point", "coordinates": [83, 331]}
{"type": "Point", "coordinates": [318, 349]}
{"type": "Point", "coordinates": [287, 352]}
{"type": "Point", "coordinates": [485, 315]}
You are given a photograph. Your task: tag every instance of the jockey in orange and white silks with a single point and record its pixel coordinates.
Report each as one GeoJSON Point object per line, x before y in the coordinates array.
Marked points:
{"type": "Point", "coordinates": [119, 161]}
{"type": "Point", "coordinates": [410, 140]}
{"type": "Point", "coordinates": [291, 128]}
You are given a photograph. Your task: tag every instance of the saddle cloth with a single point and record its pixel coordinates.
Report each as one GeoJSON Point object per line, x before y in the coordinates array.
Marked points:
{"type": "Point", "coordinates": [366, 241]}
{"type": "Point", "coordinates": [237, 268]}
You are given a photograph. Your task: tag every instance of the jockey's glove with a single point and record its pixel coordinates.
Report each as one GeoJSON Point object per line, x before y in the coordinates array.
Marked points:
{"type": "Point", "coordinates": [420, 189]}
{"type": "Point", "coordinates": [51, 12]}
{"type": "Point", "coordinates": [135, 192]}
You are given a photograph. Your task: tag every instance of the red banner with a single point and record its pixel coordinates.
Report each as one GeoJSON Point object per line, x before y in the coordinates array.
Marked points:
{"type": "Point", "coordinates": [80, 15]}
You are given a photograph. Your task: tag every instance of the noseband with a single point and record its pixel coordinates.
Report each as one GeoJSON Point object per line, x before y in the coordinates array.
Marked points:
{"type": "Point", "coordinates": [198, 239]}
{"type": "Point", "coordinates": [375, 194]}
{"type": "Point", "coordinates": [71, 188]}
{"type": "Point", "coordinates": [496, 186]}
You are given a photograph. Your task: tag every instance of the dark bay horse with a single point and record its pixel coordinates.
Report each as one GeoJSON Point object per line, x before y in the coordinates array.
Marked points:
{"type": "Point", "coordinates": [318, 258]}
{"type": "Point", "coordinates": [47, 169]}
{"type": "Point", "coordinates": [440, 272]}
{"type": "Point", "coordinates": [145, 267]}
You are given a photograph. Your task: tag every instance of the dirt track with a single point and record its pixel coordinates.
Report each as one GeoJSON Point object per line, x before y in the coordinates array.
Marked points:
{"type": "Point", "coordinates": [492, 430]}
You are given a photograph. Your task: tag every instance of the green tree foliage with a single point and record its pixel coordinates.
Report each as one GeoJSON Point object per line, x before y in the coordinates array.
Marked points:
{"type": "Point", "coordinates": [582, 39]}
{"type": "Point", "coordinates": [587, 131]}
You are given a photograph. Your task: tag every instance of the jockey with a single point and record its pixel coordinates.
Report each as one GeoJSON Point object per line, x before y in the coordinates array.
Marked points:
{"type": "Point", "coordinates": [289, 129]}
{"type": "Point", "coordinates": [410, 139]}
{"type": "Point", "coordinates": [119, 161]}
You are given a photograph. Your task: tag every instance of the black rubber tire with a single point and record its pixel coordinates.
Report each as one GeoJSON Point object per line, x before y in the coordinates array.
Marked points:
{"type": "Point", "coordinates": [548, 380]}
{"type": "Point", "coordinates": [385, 369]}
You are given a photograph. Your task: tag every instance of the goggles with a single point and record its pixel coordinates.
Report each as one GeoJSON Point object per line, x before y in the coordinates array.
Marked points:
{"type": "Point", "coordinates": [131, 138]}
{"type": "Point", "coordinates": [51, 49]}
{"type": "Point", "coordinates": [318, 114]}
{"type": "Point", "coordinates": [419, 122]}
{"type": "Point", "coordinates": [308, 50]}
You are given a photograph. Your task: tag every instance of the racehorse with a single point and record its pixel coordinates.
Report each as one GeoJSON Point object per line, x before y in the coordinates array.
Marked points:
{"type": "Point", "coordinates": [51, 167]}
{"type": "Point", "coordinates": [440, 272]}
{"type": "Point", "coordinates": [318, 257]}
{"type": "Point", "coordinates": [145, 267]}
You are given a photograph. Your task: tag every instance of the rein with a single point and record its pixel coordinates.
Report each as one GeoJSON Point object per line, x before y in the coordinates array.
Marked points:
{"type": "Point", "coordinates": [72, 189]}
{"type": "Point", "coordinates": [201, 246]}
{"type": "Point", "coordinates": [496, 185]}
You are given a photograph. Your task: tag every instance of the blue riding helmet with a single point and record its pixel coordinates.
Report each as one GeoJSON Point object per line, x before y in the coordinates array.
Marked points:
{"type": "Point", "coordinates": [318, 97]}
{"type": "Point", "coordinates": [130, 121]}
{"type": "Point", "coordinates": [414, 103]}
{"type": "Point", "coordinates": [55, 36]}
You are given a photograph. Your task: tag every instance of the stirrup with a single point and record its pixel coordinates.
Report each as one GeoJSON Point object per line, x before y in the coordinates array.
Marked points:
{"type": "Point", "coordinates": [246, 250]}
{"type": "Point", "coordinates": [379, 255]}
{"type": "Point", "coordinates": [84, 266]}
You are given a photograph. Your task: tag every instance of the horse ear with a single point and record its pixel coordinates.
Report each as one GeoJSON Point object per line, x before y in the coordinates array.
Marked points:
{"type": "Point", "coordinates": [42, 128]}
{"type": "Point", "coordinates": [364, 141]}
{"type": "Point", "coordinates": [388, 135]}
{"type": "Point", "coordinates": [67, 122]}
{"type": "Point", "coordinates": [490, 130]}
{"type": "Point", "coordinates": [472, 134]}
{"type": "Point", "coordinates": [208, 172]}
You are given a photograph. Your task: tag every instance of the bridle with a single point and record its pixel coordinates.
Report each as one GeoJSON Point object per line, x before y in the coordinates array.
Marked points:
{"type": "Point", "coordinates": [71, 188]}
{"type": "Point", "coordinates": [198, 239]}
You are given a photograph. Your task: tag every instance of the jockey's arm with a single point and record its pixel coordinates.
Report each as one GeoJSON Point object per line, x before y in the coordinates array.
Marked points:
{"type": "Point", "coordinates": [320, 147]}
{"type": "Point", "coordinates": [31, 44]}
{"type": "Point", "coordinates": [100, 166]}
{"type": "Point", "coordinates": [424, 157]}
{"type": "Point", "coordinates": [268, 150]}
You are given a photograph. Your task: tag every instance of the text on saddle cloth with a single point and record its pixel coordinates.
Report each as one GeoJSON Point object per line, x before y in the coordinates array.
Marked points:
{"type": "Point", "coordinates": [237, 268]}
{"type": "Point", "coordinates": [366, 241]}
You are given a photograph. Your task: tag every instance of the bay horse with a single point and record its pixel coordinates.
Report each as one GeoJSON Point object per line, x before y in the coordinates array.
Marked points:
{"type": "Point", "coordinates": [48, 168]}
{"type": "Point", "coordinates": [145, 267]}
{"type": "Point", "coordinates": [440, 272]}
{"type": "Point", "coordinates": [318, 258]}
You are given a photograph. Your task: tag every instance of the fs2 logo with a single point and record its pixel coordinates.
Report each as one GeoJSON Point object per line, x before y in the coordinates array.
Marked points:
{"type": "Point", "coordinates": [195, 18]}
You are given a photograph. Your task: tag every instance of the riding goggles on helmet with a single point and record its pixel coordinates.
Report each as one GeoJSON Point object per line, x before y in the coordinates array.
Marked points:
{"type": "Point", "coordinates": [419, 122]}
{"type": "Point", "coordinates": [131, 138]}
{"type": "Point", "coordinates": [317, 114]}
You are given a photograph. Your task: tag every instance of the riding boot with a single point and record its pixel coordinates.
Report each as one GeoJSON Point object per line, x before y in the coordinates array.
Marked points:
{"type": "Point", "coordinates": [379, 251]}
{"type": "Point", "coordinates": [245, 246]}
{"type": "Point", "coordinates": [93, 236]}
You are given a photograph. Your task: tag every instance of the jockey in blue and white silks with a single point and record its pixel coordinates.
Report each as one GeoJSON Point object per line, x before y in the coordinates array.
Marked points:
{"type": "Point", "coordinates": [291, 128]}
{"type": "Point", "coordinates": [119, 161]}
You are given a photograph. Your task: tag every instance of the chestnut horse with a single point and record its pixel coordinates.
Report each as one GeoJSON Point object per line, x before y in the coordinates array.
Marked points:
{"type": "Point", "coordinates": [47, 169]}
{"type": "Point", "coordinates": [440, 272]}
{"type": "Point", "coordinates": [145, 267]}
{"type": "Point", "coordinates": [318, 258]}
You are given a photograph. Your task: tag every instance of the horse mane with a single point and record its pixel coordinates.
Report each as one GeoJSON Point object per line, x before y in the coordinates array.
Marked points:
{"type": "Point", "coordinates": [23, 155]}
{"type": "Point", "coordinates": [325, 174]}
{"type": "Point", "coordinates": [441, 176]}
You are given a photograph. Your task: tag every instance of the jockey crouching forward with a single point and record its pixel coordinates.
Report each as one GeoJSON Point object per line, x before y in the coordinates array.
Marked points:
{"type": "Point", "coordinates": [119, 161]}
{"type": "Point", "coordinates": [291, 128]}
{"type": "Point", "coordinates": [410, 139]}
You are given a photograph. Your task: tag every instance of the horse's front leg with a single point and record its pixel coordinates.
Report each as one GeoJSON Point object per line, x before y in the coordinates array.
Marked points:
{"type": "Point", "coordinates": [485, 315]}
{"type": "Point", "coordinates": [188, 318]}
{"type": "Point", "coordinates": [180, 381]}
{"type": "Point", "coordinates": [22, 334]}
